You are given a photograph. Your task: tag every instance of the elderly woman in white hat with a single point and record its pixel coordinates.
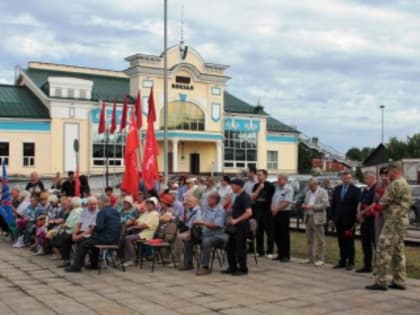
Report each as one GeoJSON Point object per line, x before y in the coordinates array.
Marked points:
{"type": "Point", "coordinates": [128, 211]}
{"type": "Point", "coordinates": [146, 224]}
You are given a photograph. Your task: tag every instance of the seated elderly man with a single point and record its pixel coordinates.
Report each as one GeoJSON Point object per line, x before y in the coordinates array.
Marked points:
{"type": "Point", "coordinates": [106, 230]}
{"type": "Point", "coordinates": [212, 222]}
{"type": "Point", "coordinates": [87, 220]}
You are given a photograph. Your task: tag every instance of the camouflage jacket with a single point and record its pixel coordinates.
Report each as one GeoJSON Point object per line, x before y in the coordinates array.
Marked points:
{"type": "Point", "coordinates": [396, 200]}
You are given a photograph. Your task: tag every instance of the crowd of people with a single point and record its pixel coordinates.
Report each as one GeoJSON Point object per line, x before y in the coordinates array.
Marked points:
{"type": "Point", "coordinates": [212, 215]}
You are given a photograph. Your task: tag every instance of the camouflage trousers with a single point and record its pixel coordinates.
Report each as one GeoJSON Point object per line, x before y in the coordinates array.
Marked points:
{"type": "Point", "coordinates": [390, 252]}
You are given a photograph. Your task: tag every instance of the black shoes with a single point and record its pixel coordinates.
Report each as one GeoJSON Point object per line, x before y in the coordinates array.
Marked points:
{"type": "Point", "coordinates": [397, 286]}
{"type": "Point", "coordinates": [393, 286]}
{"type": "Point", "coordinates": [186, 268]}
{"type": "Point", "coordinates": [364, 270]}
{"type": "Point", "coordinates": [228, 271]}
{"type": "Point", "coordinates": [239, 273]}
{"type": "Point", "coordinates": [339, 266]}
{"type": "Point", "coordinates": [376, 287]}
{"type": "Point", "coordinates": [91, 267]}
{"type": "Point", "coordinates": [350, 267]}
{"type": "Point", "coordinates": [72, 269]}
{"type": "Point", "coordinates": [284, 260]}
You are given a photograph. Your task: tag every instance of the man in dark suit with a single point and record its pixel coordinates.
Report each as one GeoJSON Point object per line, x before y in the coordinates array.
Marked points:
{"type": "Point", "coordinates": [343, 214]}
{"type": "Point", "coordinates": [106, 231]}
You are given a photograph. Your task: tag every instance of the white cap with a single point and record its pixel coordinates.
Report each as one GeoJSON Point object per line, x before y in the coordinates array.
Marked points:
{"type": "Point", "coordinates": [128, 199]}
{"type": "Point", "coordinates": [154, 200]}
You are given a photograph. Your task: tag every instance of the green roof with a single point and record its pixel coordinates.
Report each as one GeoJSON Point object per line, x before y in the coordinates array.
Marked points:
{"type": "Point", "coordinates": [105, 87]}
{"type": "Point", "coordinates": [236, 105]}
{"type": "Point", "coordinates": [274, 125]}
{"type": "Point", "coordinates": [20, 102]}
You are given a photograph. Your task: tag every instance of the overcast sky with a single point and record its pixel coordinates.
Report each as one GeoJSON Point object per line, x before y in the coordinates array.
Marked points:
{"type": "Point", "coordinates": [324, 66]}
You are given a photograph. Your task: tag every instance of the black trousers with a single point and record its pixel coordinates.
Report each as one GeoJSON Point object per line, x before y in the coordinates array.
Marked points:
{"type": "Point", "coordinates": [367, 235]}
{"type": "Point", "coordinates": [264, 220]}
{"type": "Point", "coordinates": [236, 249]}
{"type": "Point", "coordinates": [3, 225]}
{"type": "Point", "coordinates": [282, 234]}
{"type": "Point", "coordinates": [346, 245]}
{"type": "Point", "coordinates": [66, 247]}
{"type": "Point", "coordinates": [87, 245]}
{"type": "Point", "coordinates": [67, 242]}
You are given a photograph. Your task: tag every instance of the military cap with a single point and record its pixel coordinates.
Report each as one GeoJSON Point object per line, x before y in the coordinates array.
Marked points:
{"type": "Point", "coordinates": [394, 165]}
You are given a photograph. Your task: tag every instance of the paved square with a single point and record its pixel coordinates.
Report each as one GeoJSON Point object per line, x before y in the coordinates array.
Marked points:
{"type": "Point", "coordinates": [33, 285]}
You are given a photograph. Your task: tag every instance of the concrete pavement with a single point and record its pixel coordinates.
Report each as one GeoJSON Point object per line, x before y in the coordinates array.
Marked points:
{"type": "Point", "coordinates": [33, 285]}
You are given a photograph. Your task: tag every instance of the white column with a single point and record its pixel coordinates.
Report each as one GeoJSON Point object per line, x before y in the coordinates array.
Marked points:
{"type": "Point", "coordinates": [175, 155]}
{"type": "Point", "coordinates": [219, 156]}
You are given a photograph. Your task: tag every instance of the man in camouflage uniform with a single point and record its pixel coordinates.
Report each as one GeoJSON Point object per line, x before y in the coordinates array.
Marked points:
{"type": "Point", "coordinates": [395, 205]}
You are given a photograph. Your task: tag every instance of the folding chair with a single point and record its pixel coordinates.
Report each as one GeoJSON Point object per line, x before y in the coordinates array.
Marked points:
{"type": "Point", "coordinates": [218, 252]}
{"type": "Point", "coordinates": [253, 237]}
{"type": "Point", "coordinates": [167, 243]}
{"type": "Point", "coordinates": [110, 248]}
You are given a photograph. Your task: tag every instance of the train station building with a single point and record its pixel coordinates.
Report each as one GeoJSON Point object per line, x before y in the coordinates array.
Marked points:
{"type": "Point", "coordinates": [210, 130]}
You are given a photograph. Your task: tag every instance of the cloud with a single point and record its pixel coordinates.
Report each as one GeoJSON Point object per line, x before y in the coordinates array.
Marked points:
{"type": "Point", "coordinates": [323, 65]}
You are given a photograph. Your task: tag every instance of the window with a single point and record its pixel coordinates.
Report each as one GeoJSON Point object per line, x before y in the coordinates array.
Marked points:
{"type": "Point", "coordinates": [240, 148]}
{"type": "Point", "coordinates": [83, 94]}
{"type": "Point", "coordinates": [183, 80]}
{"type": "Point", "coordinates": [4, 152]}
{"type": "Point", "coordinates": [272, 160]}
{"type": "Point", "coordinates": [114, 149]}
{"type": "Point", "coordinates": [184, 116]}
{"type": "Point", "coordinates": [28, 154]}
{"type": "Point", "coordinates": [70, 93]}
{"type": "Point", "coordinates": [215, 91]}
{"type": "Point", "coordinates": [147, 83]}
{"type": "Point", "coordinates": [58, 92]}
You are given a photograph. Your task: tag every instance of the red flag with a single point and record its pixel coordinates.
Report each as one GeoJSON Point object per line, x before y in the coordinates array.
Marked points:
{"type": "Point", "coordinates": [150, 165]}
{"type": "Point", "coordinates": [77, 183]}
{"type": "Point", "coordinates": [114, 119]}
{"type": "Point", "coordinates": [152, 113]}
{"type": "Point", "coordinates": [130, 181]}
{"type": "Point", "coordinates": [123, 122]}
{"type": "Point", "coordinates": [139, 115]}
{"type": "Point", "coordinates": [102, 122]}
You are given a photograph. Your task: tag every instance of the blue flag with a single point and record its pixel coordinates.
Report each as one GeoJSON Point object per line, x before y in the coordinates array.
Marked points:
{"type": "Point", "coordinates": [6, 209]}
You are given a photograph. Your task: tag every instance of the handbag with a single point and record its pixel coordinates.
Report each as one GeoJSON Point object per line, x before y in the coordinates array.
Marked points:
{"type": "Point", "coordinates": [196, 234]}
{"type": "Point", "coordinates": [182, 227]}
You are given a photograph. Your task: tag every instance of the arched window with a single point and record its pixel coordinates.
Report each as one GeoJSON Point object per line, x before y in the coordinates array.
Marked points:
{"type": "Point", "coordinates": [183, 116]}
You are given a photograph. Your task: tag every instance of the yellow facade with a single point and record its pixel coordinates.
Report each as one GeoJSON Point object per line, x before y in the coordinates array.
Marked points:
{"type": "Point", "coordinates": [42, 159]}
{"type": "Point", "coordinates": [198, 141]}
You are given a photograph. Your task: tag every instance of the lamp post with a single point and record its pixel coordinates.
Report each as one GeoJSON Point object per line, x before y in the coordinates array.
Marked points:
{"type": "Point", "coordinates": [382, 107]}
{"type": "Point", "coordinates": [165, 89]}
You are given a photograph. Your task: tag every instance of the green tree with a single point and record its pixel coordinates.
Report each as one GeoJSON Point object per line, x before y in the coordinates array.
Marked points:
{"type": "Point", "coordinates": [413, 146]}
{"type": "Point", "coordinates": [398, 149]}
{"type": "Point", "coordinates": [306, 155]}
{"type": "Point", "coordinates": [354, 154]}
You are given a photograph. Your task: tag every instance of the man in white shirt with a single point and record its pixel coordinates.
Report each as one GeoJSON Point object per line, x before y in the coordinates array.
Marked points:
{"type": "Point", "coordinates": [315, 206]}
{"type": "Point", "coordinates": [251, 181]}
{"type": "Point", "coordinates": [87, 221]}
{"type": "Point", "coordinates": [281, 205]}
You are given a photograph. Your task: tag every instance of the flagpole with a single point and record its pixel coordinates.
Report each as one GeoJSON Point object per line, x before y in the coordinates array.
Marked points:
{"type": "Point", "coordinates": [106, 158]}
{"type": "Point", "coordinates": [165, 91]}
{"type": "Point", "coordinates": [140, 149]}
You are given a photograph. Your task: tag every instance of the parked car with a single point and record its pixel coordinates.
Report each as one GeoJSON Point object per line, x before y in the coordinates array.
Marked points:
{"type": "Point", "coordinates": [414, 214]}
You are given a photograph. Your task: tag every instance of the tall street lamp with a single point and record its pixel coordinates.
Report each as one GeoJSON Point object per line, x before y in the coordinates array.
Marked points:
{"type": "Point", "coordinates": [382, 107]}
